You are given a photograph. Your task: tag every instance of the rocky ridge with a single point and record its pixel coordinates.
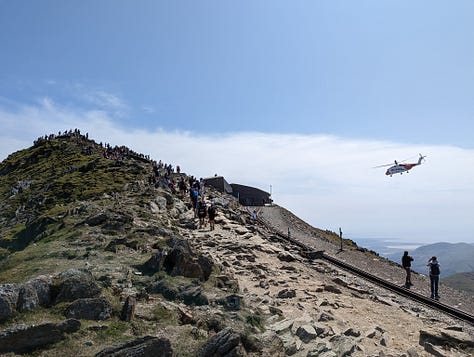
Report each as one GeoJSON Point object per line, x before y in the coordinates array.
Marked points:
{"type": "Point", "coordinates": [128, 272]}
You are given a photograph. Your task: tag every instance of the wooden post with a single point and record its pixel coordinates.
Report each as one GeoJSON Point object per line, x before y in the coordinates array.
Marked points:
{"type": "Point", "coordinates": [340, 236]}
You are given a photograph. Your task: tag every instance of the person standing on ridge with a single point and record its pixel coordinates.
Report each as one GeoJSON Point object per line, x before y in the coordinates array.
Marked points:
{"type": "Point", "coordinates": [433, 264]}
{"type": "Point", "coordinates": [406, 264]}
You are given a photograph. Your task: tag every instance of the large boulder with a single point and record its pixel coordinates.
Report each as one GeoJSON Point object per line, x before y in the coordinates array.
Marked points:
{"type": "Point", "coordinates": [75, 284]}
{"type": "Point", "coordinates": [147, 346]}
{"type": "Point", "coordinates": [24, 297]}
{"type": "Point", "coordinates": [25, 339]}
{"type": "Point", "coordinates": [8, 300]}
{"type": "Point", "coordinates": [181, 260]}
{"type": "Point", "coordinates": [90, 309]}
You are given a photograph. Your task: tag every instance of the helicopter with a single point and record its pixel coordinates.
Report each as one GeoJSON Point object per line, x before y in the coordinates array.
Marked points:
{"type": "Point", "coordinates": [400, 167]}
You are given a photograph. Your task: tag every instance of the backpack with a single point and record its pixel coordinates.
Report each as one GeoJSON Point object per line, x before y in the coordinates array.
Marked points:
{"type": "Point", "coordinates": [434, 269]}
{"type": "Point", "coordinates": [201, 208]}
{"type": "Point", "coordinates": [211, 210]}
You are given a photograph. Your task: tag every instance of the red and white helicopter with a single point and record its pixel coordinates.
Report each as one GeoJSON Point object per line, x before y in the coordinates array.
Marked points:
{"type": "Point", "coordinates": [400, 168]}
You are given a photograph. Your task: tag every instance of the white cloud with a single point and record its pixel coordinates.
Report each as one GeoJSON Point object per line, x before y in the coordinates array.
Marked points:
{"type": "Point", "coordinates": [327, 180]}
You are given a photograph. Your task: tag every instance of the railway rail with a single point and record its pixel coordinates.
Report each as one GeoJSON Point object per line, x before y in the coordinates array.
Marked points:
{"type": "Point", "coordinates": [311, 254]}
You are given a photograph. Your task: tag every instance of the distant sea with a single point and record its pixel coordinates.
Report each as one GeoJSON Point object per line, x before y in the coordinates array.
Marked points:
{"type": "Point", "coordinates": [385, 247]}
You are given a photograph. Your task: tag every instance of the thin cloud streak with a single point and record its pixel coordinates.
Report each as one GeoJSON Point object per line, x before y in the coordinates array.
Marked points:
{"type": "Point", "coordinates": [329, 181]}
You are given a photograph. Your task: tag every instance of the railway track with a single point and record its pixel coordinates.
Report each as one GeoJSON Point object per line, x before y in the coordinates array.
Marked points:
{"type": "Point", "coordinates": [309, 253]}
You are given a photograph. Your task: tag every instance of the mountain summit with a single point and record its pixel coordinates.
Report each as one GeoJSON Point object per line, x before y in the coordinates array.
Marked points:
{"type": "Point", "coordinates": [102, 254]}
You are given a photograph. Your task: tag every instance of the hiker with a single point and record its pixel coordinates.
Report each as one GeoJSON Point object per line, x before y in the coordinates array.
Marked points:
{"type": "Point", "coordinates": [193, 195]}
{"type": "Point", "coordinates": [254, 215]}
{"type": "Point", "coordinates": [201, 212]}
{"type": "Point", "coordinates": [201, 186]}
{"type": "Point", "coordinates": [433, 264]}
{"type": "Point", "coordinates": [211, 212]}
{"type": "Point", "coordinates": [182, 186]}
{"type": "Point", "coordinates": [406, 264]}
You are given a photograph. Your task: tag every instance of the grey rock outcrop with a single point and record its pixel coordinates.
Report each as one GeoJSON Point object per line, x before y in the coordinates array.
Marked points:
{"type": "Point", "coordinates": [147, 346]}
{"type": "Point", "coordinates": [75, 284]}
{"type": "Point", "coordinates": [441, 337]}
{"type": "Point", "coordinates": [24, 339]}
{"type": "Point", "coordinates": [225, 343]}
{"type": "Point", "coordinates": [8, 300]}
{"type": "Point", "coordinates": [181, 260]}
{"type": "Point", "coordinates": [24, 297]}
{"type": "Point", "coordinates": [90, 309]}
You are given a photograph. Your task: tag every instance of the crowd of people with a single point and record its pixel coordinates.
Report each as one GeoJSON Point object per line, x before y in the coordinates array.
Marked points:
{"type": "Point", "coordinates": [108, 151]}
{"type": "Point", "coordinates": [162, 174]}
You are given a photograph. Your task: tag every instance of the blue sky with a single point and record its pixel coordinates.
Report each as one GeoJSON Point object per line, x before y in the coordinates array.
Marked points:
{"type": "Point", "coordinates": [305, 96]}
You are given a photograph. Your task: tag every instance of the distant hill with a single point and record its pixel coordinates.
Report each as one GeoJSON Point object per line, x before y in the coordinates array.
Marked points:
{"type": "Point", "coordinates": [453, 257]}
{"type": "Point", "coordinates": [461, 281]}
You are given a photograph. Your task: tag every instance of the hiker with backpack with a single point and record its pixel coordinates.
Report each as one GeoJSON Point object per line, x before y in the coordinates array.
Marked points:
{"type": "Point", "coordinates": [406, 264]}
{"type": "Point", "coordinates": [201, 209]}
{"type": "Point", "coordinates": [212, 212]}
{"type": "Point", "coordinates": [433, 265]}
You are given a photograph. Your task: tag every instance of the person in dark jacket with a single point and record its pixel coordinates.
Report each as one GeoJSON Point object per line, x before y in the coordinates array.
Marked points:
{"type": "Point", "coordinates": [406, 264]}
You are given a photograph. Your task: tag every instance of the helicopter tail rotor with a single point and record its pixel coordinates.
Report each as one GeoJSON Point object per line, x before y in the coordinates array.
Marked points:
{"type": "Point", "coordinates": [421, 159]}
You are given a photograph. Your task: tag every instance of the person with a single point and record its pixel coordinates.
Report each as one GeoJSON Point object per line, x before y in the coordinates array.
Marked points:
{"type": "Point", "coordinates": [194, 194]}
{"type": "Point", "coordinates": [254, 215]}
{"type": "Point", "coordinates": [433, 264]}
{"type": "Point", "coordinates": [211, 212]}
{"type": "Point", "coordinates": [182, 186]}
{"type": "Point", "coordinates": [406, 264]}
{"type": "Point", "coordinates": [201, 212]}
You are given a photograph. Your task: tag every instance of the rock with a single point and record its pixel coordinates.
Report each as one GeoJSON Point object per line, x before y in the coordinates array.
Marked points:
{"type": "Point", "coordinates": [232, 302]}
{"type": "Point", "coordinates": [25, 339]}
{"type": "Point", "coordinates": [186, 316]}
{"type": "Point", "coordinates": [27, 298]}
{"type": "Point", "coordinates": [42, 285]}
{"type": "Point", "coordinates": [241, 230]}
{"type": "Point", "coordinates": [411, 352]}
{"type": "Point", "coordinates": [286, 257]}
{"type": "Point", "coordinates": [193, 295]}
{"type": "Point", "coordinates": [147, 346]}
{"type": "Point", "coordinates": [320, 329]}
{"type": "Point", "coordinates": [182, 261]}
{"type": "Point", "coordinates": [318, 350]}
{"type": "Point", "coordinates": [434, 351]}
{"type": "Point", "coordinates": [90, 309]}
{"type": "Point", "coordinates": [128, 311]}
{"type": "Point", "coordinates": [286, 294]}
{"type": "Point", "coordinates": [445, 337]}
{"type": "Point", "coordinates": [225, 343]}
{"type": "Point", "coordinates": [343, 345]}
{"type": "Point", "coordinates": [352, 332]}
{"type": "Point", "coordinates": [332, 289]}
{"type": "Point", "coordinates": [306, 333]}
{"type": "Point", "coordinates": [165, 288]}
{"type": "Point", "coordinates": [386, 340]}
{"type": "Point", "coordinates": [282, 326]}
{"type": "Point", "coordinates": [289, 344]}
{"type": "Point", "coordinates": [155, 263]}
{"type": "Point", "coordinates": [24, 297]}
{"type": "Point", "coordinates": [371, 333]}
{"type": "Point", "coordinates": [97, 219]}
{"type": "Point", "coordinates": [8, 300]}
{"type": "Point", "coordinates": [161, 202]}
{"type": "Point", "coordinates": [75, 284]}
{"type": "Point", "coordinates": [325, 317]}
